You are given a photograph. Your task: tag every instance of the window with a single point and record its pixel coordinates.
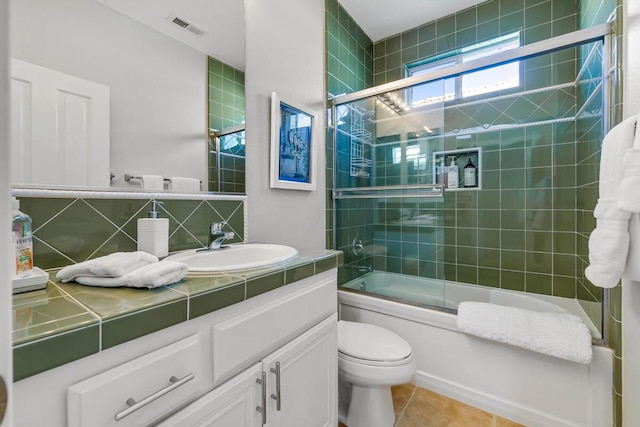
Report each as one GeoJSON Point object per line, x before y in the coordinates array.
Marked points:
{"type": "Point", "coordinates": [413, 154]}
{"type": "Point", "coordinates": [474, 83]}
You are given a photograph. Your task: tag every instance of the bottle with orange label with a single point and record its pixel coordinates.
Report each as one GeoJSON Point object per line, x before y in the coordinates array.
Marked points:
{"type": "Point", "coordinates": [21, 239]}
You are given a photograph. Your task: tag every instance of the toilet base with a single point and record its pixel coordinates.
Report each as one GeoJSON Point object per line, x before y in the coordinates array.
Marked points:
{"type": "Point", "coordinates": [371, 406]}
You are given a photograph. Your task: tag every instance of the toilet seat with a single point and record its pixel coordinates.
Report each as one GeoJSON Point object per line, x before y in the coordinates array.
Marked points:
{"type": "Point", "coordinates": [371, 345]}
{"type": "Point", "coordinates": [381, 363]}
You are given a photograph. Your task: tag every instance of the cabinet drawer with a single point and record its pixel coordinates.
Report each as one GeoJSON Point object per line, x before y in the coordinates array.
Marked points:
{"type": "Point", "coordinates": [244, 339]}
{"type": "Point", "coordinates": [141, 390]}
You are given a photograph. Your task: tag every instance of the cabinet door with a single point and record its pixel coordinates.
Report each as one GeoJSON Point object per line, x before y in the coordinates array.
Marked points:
{"type": "Point", "coordinates": [308, 377]}
{"type": "Point", "coordinates": [233, 404]}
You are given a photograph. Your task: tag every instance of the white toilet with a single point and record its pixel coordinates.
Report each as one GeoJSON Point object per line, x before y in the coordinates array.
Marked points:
{"type": "Point", "coordinates": [370, 360]}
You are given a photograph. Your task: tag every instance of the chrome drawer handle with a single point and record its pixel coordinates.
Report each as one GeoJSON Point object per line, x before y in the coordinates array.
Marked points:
{"type": "Point", "coordinates": [276, 396]}
{"type": "Point", "coordinates": [134, 406]}
{"type": "Point", "coordinates": [263, 409]}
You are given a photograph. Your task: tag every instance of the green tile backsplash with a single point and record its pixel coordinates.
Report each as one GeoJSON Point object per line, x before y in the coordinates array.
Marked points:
{"type": "Point", "coordinates": [74, 230]}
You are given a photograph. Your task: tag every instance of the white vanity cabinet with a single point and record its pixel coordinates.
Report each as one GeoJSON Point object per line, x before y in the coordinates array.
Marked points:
{"type": "Point", "coordinates": [203, 372]}
{"type": "Point", "coordinates": [302, 380]}
{"type": "Point", "coordinates": [294, 386]}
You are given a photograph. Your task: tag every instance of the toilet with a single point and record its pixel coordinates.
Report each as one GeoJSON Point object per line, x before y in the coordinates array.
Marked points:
{"type": "Point", "coordinates": [371, 359]}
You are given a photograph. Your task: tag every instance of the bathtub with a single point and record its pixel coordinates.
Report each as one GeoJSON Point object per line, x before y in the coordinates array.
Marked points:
{"type": "Point", "coordinates": [527, 387]}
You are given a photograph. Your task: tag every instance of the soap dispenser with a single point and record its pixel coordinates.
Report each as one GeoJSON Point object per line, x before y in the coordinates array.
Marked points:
{"type": "Point", "coordinates": [153, 233]}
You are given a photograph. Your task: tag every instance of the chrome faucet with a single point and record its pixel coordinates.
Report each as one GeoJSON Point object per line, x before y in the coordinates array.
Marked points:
{"type": "Point", "coordinates": [217, 236]}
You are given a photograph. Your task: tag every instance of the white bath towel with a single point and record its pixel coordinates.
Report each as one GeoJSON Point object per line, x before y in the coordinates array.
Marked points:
{"type": "Point", "coordinates": [609, 242]}
{"type": "Point", "coordinates": [150, 276]}
{"type": "Point", "coordinates": [152, 182]}
{"type": "Point", "coordinates": [555, 334]}
{"type": "Point", "coordinates": [112, 265]}
{"type": "Point", "coordinates": [185, 185]}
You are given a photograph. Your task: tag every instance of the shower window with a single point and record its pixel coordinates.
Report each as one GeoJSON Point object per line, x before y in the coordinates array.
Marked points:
{"type": "Point", "coordinates": [480, 82]}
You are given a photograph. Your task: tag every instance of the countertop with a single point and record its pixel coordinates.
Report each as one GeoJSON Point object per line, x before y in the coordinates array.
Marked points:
{"type": "Point", "coordinates": [67, 321]}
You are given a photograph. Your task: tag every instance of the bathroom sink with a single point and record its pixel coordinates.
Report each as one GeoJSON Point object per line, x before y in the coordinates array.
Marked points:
{"type": "Point", "coordinates": [238, 257]}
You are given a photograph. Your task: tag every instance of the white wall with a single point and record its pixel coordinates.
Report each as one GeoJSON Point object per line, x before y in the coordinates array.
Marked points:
{"type": "Point", "coordinates": [158, 85]}
{"type": "Point", "coordinates": [631, 290]}
{"type": "Point", "coordinates": [285, 54]}
{"type": "Point", "coordinates": [6, 313]}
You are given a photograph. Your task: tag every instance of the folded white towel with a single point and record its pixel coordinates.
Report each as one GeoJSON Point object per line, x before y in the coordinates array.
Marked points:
{"type": "Point", "coordinates": [609, 242]}
{"type": "Point", "coordinates": [185, 185]}
{"type": "Point", "coordinates": [555, 334]}
{"type": "Point", "coordinates": [112, 265]}
{"type": "Point", "coordinates": [150, 276]}
{"type": "Point", "coordinates": [152, 182]}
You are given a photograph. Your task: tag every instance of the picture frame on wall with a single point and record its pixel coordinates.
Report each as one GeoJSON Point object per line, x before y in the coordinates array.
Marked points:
{"type": "Point", "coordinates": [293, 149]}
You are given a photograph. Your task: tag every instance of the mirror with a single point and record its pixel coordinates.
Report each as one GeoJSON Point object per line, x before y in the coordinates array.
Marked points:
{"type": "Point", "coordinates": [173, 68]}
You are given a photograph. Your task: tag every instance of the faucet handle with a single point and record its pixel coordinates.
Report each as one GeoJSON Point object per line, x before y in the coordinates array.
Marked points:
{"type": "Point", "coordinates": [216, 227]}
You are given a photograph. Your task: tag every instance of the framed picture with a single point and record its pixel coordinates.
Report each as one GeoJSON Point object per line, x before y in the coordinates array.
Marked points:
{"type": "Point", "coordinates": [293, 150]}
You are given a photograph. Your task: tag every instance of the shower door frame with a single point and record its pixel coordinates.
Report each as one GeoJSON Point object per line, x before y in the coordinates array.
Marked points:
{"type": "Point", "coordinates": [600, 33]}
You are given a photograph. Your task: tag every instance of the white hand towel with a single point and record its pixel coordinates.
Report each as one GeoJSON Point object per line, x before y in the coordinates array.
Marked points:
{"type": "Point", "coordinates": [554, 334]}
{"type": "Point", "coordinates": [112, 265]}
{"type": "Point", "coordinates": [185, 185]}
{"type": "Point", "coordinates": [152, 182]}
{"type": "Point", "coordinates": [609, 242]}
{"type": "Point", "coordinates": [150, 276]}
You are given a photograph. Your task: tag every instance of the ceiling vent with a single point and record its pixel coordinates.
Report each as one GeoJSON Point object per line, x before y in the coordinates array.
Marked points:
{"type": "Point", "coordinates": [186, 25]}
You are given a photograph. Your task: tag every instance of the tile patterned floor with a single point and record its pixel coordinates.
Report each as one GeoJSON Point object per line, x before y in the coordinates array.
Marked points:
{"type": "Point", "coordinates": [418, 407]}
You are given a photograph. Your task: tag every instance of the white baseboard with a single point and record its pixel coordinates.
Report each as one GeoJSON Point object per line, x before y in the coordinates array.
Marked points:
{"type": "Point", "coordinates": [487, 402]}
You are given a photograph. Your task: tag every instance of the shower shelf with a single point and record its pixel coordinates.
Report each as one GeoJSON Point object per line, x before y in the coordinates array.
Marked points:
{"type": "Point", "coordinates": [389, 192]}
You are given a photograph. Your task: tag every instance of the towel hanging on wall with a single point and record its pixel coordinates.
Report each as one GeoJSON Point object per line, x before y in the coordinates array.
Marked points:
{"type": "Point", "coordinates": [185, 185]}
{"type": "Point", "coordinates": [152, 182]}
{"type": "Point", "coordinates": [609, 242]}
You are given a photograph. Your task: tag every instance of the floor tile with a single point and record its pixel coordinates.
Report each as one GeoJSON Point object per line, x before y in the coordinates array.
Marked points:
{"type": "Point", "coordinates": [406, 422]}
{"type": "Point", "coordinates": [502, 422]}
{"type": "Point", "coordinates": [401, 395]}
{"type": "Point", "coordinates": [435, 410]}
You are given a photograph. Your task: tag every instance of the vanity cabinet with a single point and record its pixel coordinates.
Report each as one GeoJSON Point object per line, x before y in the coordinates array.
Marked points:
{"type": "Point", "coordinates": [203, 372]}
{"type": "Point", "coordinates": [294, 386]}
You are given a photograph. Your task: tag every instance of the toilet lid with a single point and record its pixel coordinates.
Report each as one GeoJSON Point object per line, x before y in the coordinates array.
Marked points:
{"type": "Point", "coordinates": [371, 342]}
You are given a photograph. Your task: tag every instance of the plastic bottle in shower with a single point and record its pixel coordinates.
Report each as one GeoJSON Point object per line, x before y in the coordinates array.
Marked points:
{"type": "Point", "coordinates": [21, 240]}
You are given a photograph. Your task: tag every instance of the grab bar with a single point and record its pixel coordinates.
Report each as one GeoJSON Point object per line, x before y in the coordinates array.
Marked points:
{"type": "Point", "coordinates": [390, 191]}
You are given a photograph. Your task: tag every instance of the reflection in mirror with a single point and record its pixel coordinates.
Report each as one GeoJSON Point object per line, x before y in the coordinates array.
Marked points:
{"type": "Point", "coordinates": [226, 128]}
{"type": "Point", "coordinates": [165, 89]}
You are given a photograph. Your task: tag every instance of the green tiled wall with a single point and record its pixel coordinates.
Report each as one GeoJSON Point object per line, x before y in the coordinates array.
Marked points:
{"type": "Point", "coordinates": [73, 230]}
{"type": "Point", "coordinates": [349, 68]}
{"type": "Point", "coordinates": [537, 19]}
{"type": "Point", "coordinates": [226, 109]}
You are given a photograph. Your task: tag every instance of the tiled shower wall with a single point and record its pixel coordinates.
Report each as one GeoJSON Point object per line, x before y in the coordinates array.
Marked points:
{"type": "Point", "coordinates": [226, 109]}
{"type": "Point", "coordinates": [69, 230]}
{"type": "Point", "coordinates": [349, 68]}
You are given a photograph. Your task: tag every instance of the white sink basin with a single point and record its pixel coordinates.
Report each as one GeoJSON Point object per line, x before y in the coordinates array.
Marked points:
{"type": "Point", "coordinates": [235, 257]}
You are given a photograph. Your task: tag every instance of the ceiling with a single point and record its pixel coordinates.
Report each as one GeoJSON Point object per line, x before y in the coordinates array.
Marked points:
{"type": "Point", "coordinates": [223, 20]}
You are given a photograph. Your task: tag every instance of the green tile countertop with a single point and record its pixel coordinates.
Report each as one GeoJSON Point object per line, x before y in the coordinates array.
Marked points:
{"type": "Point", "coordinates": [67, 321]}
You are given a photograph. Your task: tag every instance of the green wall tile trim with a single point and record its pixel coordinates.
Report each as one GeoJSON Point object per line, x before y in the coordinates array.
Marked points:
{"type": "Point", "coordinates": [126, 328]}
{"type": "Point", "coordinates": [299, 272]}
{"type": "Point", "coordinates": [39, 356]}
{"type": "Point", "coordinates": [326, 264]}
{"type": "Point", "coordinates": [265, 283]}
{"type": "Point", "coordinates": [215, 300]}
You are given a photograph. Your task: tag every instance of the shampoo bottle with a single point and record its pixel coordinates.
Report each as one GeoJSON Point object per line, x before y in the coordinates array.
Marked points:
{"type": "Point", "coordinates": [153, 233]}
{"type": "Point", "coordinates": [21, 239]}
{"type": "Point", "coordinates": [452, 174]}
{"type": "Point", "coordinates": [470, 175]}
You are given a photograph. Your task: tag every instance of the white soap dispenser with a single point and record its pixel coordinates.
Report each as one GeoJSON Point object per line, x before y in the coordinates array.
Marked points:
{"type": "Point", "coordinates": [153, 233]}
{"type": "Point", "coordinates": [452, 174]}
